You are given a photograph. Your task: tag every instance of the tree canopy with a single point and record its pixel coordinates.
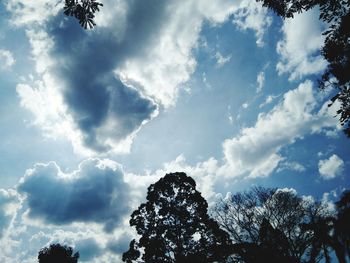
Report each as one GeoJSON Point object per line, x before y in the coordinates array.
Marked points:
{"type": "Point", "coordinates": [247, 216]}
{"type": "Point", "coordinates": [174, 225]}
{"type": "Point", "coordinates": [280, 226]}
{"type": "Point", "coordinates": [57, 253]}
{"type": "Point", "coordinates": [257, 226]}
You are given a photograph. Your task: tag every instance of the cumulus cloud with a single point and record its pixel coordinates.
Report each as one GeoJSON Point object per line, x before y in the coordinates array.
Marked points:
{"type": "Point", "coordinates": [331, 167]}
{"type": "Point", "coordinates": [6, 58]}
{"type": "Point", "coordinates": [299, 50]}
{"type": "Point", "coordinates": [253, 16]}
{"type": "Point", "coordinates": [105, 110]}
{"type": "Point", "coordinates": [96, 192]}
{"type": "Point", "coordinates": [256, 149]}
{"type": "Point", "coordinates": [112, 80]}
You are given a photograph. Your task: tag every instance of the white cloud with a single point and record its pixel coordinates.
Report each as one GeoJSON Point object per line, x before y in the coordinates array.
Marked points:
{"type": "Point", "coordinates": [245, 105]}
{"type": "Point", "coordinates": [268, 100]}
{"type": "Point", "coordinates": [221, 60]}
{"type": "Point", "coordinates": [260, 80]}
{"type": "Point", "coordinates": [330, 168]}
{"type": "Point", "coordinates": [50, 112]}
{"type": "Point", "coordinates": [9, 203]}
{"type": "Point", "coordinates": [169, 61]}
{"type": "Point", "coordinates": [253, 16]}
{"type": "Point", "coordinates": [293, 166]}
{"type": "Point", "coordinates": [256, 149]}
{"type": "Point", "coordinates": [163, 62]}
{"type": "Point", "coordinates": [299, 49]}
{"type": "Point", "coordinates": [28, 12]}
{"type": "Point", "coordinates": [6, 58]}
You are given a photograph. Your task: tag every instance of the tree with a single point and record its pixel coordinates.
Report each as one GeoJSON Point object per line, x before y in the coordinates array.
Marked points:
{"type": "Point", "coordinates": [336, 49]}
{"type": "Point", "coordinates": [83, 10]}
{"type": "Point", "coordinates": [342, 225]}
{"type": "Point", "coordinates": [175, 227]}
{"type": "Point", "coordinates": [267, 221]}
{"type": "Point", "coordinates": [321, 240]}
{"type": "Point", "coordinates": [272, 246]}
{"type": "Point", "coordinates": [57, 253]}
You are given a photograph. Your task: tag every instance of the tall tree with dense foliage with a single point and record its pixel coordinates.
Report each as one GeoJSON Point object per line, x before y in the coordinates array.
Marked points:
{"type": "Point", "coordinates": [174, 225]}
{"type": "Point", "coordinates": [57, 253]}
{"type": "Point", "coordinates": [336, 48]}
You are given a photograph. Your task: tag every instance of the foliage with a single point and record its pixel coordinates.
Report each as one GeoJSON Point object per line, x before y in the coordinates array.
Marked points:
{"type": "Point", "coordinates": [266, 221]}
{"type": "Point", "coordinates": [342, 225]}
{"type": "Point", "coordinates": [57, 253]}
{"type": "Point", "coordinates": [336, 49]}
{"type": "Point", "coordinates": [174, 225]}
{"type": "Point", "coordinates": [83, 10]}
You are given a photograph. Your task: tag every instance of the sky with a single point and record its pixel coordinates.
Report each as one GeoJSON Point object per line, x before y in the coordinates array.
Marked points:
{"type": "Point", "coordinates": [222, 90]}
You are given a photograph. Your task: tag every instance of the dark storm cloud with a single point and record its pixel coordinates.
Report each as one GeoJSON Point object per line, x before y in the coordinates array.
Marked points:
{"type": "Point", "coordinates": [84, 62]}
{"type": "Point", "coordinates": [95, 193]}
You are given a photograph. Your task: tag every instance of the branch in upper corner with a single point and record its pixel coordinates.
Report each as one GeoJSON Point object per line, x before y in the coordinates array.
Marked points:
{"type": "Point", "coordinates": [83, 10]}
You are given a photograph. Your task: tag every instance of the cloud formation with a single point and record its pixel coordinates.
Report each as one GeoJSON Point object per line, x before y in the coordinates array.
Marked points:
{"type": "Point", "coordinates": [331, 167]}
{"type": "Point", "coordinates": [221, 60]}
{"type": "Point", "coordinates": [253, 16]}
{"type": "Point", "coordinates": [299, 50]}
{"type": "Point", "coordinates": [96, 192]}
{"type": "Point", "coordinates": [256, 149]}
{"type": "Point", "coordinates": [260, 81]}
{"type": "Point", "coordinates": [6, 58]}
{"type": "Point", "coordinates": [110, 81]}
{"type": "Point", "coordinates": [9, 203]}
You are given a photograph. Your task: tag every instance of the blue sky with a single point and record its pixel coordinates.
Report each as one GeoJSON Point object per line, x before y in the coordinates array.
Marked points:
{"type": "Point", "coordinates": [225, 91]}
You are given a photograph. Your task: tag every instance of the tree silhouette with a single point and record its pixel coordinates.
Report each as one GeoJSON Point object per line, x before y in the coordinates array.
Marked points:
{"type": "Point", "coordinates": [321, 240]}
{"type": "Point", "coordinates": [268, 221]}
{"type": "Point", "coordinates": [342, 224]}
{"type": "Point", "coordinates": [272, 247]}
{"type": "Point", "coordinates": [174, 225]}
{"type": "Point", "coordinates": [83, 10]}
{"type": "Point", "coordinates": [57, 253]}
{"type": "Point", "coordinates": [336, 49]}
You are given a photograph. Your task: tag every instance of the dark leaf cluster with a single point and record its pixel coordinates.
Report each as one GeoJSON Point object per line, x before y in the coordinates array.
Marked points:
{"type": "Point", "coordinates": [83, 10]}
{"type": "Point", "coordinates": [174, 225]}
{"type": "Point", "coordinates": [57, 253]}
